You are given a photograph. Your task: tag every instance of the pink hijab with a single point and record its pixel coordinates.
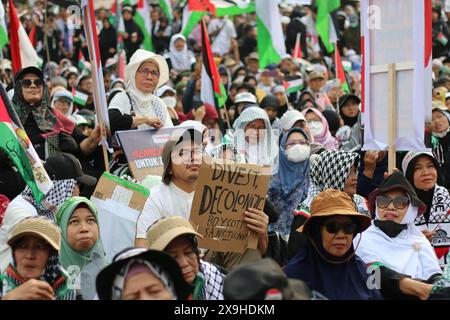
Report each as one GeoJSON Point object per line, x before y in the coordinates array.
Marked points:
{"type": "Point", "coordinates": [325, 139]}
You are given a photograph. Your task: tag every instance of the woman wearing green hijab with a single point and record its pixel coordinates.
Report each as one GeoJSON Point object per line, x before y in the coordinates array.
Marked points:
{"type": "Point", "coordinates": [82, 251]}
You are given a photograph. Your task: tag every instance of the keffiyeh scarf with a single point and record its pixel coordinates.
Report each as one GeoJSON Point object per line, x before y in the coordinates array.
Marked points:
{"type": "Point", "coordinates": [58, 194]}
{"type": "Point", "coordinates": [208, 283]}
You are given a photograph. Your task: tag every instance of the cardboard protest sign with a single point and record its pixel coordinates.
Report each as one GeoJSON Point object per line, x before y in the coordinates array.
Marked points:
{"type": "Point", "coordinates": [119, 203]}
{"type": "Point", "coordinates": [224, 191]}
{"type": "Point", "coordinates": [143, 150]}
{"type": "Point", "coordinates": [122, 191]}
{"type": "Point", "coordinates": [396, 84]}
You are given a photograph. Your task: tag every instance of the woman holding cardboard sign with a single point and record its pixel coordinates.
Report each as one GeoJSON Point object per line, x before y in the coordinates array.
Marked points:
{"type": "Point", "coordinates": [139, 107]}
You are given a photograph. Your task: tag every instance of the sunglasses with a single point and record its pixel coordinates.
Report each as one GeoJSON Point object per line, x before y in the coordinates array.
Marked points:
{"type": "Point", "coordinates": [26, 83]}
{"type": "Point", "coordinates": [347, 227]}
{"type": "Point", "coordinates": [400, 202]}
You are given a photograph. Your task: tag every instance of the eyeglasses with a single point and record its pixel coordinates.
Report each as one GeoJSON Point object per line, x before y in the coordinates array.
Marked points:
{"type": "Point", "coordinates": [292, 143]}
{"type": "Point", "coordinates": [145, 72]}
{"type": "Point", "coordinates": [335, 227]}
{"type": "Point", "coordinates": [185, 153]}
{"type": "Point", "coordinates": [26, 83]}
{"type": "Point", "coordinates": [400, 202]}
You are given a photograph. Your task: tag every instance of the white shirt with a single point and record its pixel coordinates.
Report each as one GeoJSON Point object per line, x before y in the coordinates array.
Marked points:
{"type": "Point", "coordinates": [121, 102]}
{"type": "Point", "coordinates": [222, 41]}
{"type": "Point", "coordinates": [164, 201]}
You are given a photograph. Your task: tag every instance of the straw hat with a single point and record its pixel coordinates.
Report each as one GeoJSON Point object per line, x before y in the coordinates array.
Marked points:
{"type": "Point", "coordinates": [160, 234]}
{"type": "Point", "coordinates": [37, 226]}
{"type": "Point", "coordinates": [333, 202]}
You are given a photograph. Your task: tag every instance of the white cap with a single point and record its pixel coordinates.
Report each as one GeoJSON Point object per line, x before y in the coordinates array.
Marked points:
{"type": "Point", "coordinates": [285, 20]}
{"type": "Point", "coordinates": [245, 97]}
{"type": "Point", "coordinates": [164, 89]}
{"type": "Point", "coordinates": [289, 118]}
{"type": "Point", "coordinates": [411, 155]}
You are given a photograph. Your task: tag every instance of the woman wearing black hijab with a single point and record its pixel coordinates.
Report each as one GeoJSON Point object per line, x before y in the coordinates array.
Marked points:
{"type": "Point", "coordinates": [328, 263]}
{"type": "Point", "coordinates": [421, 170]}
{"type": "Point", "coordinates": [348, 109]}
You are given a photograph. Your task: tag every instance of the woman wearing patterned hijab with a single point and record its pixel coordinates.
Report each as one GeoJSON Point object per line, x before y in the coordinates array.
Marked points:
{"type": "Point", "coordinates": [331, 169]}
{"type": "Point", "coordinates": [290, 184]}
{"type": "Point", "coordinates": [81, 249]}
{"type": "Point", "coordinates": [421, 170]}
{"type": "Point", "coordinates": [35, 273]}
{"type": "Point", "coordinates": [253, 138]}
{"type": "Point", "coordinates": [42, 123]}
{"type": "Point", "coordinates": [141, 274]}
{"type": "Point", "coordinates": [138, 106]}
{"type": "Point", "coordinates": [177, 237]}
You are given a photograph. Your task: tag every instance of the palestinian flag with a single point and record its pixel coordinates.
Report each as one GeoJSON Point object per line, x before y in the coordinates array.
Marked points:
{"type": "Point", "coordinates": [142, 19]}
{"type": "Point", "coordinates": [82, 65]}
{"type": "Point", "coordinates": [22, 52]}
{"type": "Point", "coordinates": [16, 144]}
{"type": "Point", "coordinates": [195, 9]}
{"type": "Point", "coordinates": [293, 84]}
{"type": "Point", "coordinates": [3, 29]}
{"type": "Point", "coordinates": [442, 38]}
{"type": "Point", "coordinates": [325, 26]}
{"type": "Point", "coordinates": [101, 109]}
{"type": "Point", "coordinates": [270, 40]}
{"type": "Point", "coordinates": [340, 73]}
{"type": "Point", "coordinates": [297, 52]}
{"type": "Point", "coordinates": [116, 17]}
{"type": "Point", "coordinates": [212, 88]}
{"type": "Point", "coordinates": [79, 98]}
{"type": "Point", "coordinates": [167, 9]}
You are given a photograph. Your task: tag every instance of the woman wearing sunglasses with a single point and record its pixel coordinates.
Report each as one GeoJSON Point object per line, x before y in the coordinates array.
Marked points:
{"type": "Point", "coordinates": [138, 106]}
{"type": "Point", "coordinates": [49, 130]}
{"type": "Point", "coordinates": [421, 170]}
{"type": "Point", "coordinates": [327, 263]}
{"type": "Point", "coordinates": [394, 247]}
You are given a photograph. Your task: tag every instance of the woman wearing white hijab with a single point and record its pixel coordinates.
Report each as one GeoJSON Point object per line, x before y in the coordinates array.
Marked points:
{"type": "Point", "coordinates": [179, 57]}
{"type": "Point", "coordinates": [139, 107]}
{"type": "Point", "coordinates": [393, 241]}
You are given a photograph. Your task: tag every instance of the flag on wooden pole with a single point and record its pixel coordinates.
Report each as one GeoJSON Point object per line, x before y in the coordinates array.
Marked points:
{"type": "Point", "coordinates": [340, 73]}
{"type": "Point", "coordinates": [99, 94]}
{"type": "Point", "coordinates": [212, 88]}
{"type": "Point", "coordinates": [22, 52]}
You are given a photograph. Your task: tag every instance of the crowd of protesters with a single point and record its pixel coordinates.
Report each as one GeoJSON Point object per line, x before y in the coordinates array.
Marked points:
{"type": "Point", "coordinates": [333, 218]}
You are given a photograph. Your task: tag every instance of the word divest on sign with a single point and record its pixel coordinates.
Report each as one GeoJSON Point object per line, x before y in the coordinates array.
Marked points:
{"type": "Point", "coordinates": [143, 149]}
{"type": "Point", "coordinates": [223, 193]}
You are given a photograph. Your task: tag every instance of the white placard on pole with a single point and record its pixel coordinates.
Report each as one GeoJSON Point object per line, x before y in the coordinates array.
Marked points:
{"type": "Point", "coordinates": [401, 41]}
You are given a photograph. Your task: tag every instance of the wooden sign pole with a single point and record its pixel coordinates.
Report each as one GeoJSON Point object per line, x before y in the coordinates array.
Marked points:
{"type": "Point", "coordinates": [392, 134]}
{"type": "Point", "coordinates": [96, 96]}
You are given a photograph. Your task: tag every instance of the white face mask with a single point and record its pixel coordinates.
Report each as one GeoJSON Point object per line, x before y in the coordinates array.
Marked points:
{"type": "Point", "coordinates": [170, 102]}
{"type": "Point", "coordinates": [316, 128]}
{"type": "Point", "coordinates": [298, 153]}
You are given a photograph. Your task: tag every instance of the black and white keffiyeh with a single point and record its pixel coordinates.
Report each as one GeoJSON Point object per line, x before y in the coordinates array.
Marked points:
{"type": "Point", "coordinates": [266, 151]}
{"type": "Point", "coordinates": [330, 170]}
{"type": "Point", "coordinates": [213, 281]}
{"type": "Point", "coordinates": [58, 194]}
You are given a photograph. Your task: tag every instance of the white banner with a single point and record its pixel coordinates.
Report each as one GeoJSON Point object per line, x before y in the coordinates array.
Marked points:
{"type": "Point", "coordinates": [401, 39]}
